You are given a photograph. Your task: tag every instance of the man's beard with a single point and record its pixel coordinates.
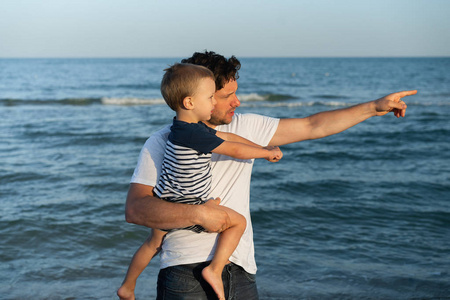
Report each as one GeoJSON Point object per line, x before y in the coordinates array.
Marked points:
{"type": "Point", "coordinates": [216, 121]}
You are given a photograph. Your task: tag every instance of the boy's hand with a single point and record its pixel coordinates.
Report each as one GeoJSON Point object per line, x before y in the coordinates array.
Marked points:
{"type": "Point", "coordinates": [275, 153]}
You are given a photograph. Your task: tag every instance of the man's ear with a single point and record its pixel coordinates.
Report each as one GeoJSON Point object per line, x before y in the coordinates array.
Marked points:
{"type": "Point", "coordinates": [188, 103]}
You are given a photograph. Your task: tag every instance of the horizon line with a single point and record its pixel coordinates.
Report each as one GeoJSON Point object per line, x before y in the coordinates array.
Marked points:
{"type": "Point", "coordinates": [240, 56]}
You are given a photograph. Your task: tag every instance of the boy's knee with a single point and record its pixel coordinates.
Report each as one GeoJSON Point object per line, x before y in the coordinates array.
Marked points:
{"type": "Point", "coordinates": [242, 222]}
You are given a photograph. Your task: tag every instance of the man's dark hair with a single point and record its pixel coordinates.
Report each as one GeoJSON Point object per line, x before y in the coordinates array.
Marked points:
{"type": "Point", "coordinates": [224, 69]}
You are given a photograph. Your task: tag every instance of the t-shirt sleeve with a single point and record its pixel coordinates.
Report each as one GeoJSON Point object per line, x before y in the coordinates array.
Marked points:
{"type": "Point", "coordinates": [196, 136]}
{"type": "Point", "coordinates": [148, 168]}
{"type": "Point", "coordinates": [257, 128]}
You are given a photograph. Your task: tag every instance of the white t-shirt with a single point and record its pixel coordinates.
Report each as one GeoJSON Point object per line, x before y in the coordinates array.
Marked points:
{"type": "Point", "coordinates": [230, 181]}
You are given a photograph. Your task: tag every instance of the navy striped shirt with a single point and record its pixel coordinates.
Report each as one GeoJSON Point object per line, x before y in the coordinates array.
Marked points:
{"type": "Point", "coordinates": [186, 170]}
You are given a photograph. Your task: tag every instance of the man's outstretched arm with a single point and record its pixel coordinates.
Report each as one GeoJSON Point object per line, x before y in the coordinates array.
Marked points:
{"type": "Point", "coordinates": [143, 208]}
{"type": "Point", "coordinates": [331, 122]}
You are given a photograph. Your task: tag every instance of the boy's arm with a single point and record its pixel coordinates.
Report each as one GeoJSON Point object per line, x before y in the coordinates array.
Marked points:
{"type": "Point", "coordinates": [231, 137]}
{"type": "Point", "coordinates": [237, 141]}
{"type": "Point", "coordinates": [246, 151]}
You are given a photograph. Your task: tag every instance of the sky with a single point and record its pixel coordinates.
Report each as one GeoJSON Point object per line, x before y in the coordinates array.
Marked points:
{"type": "Point", "coordinates": [245, 28]}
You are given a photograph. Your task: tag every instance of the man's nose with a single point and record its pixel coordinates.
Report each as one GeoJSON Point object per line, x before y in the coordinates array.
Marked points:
{"type": "Point", "coordinates": [235, 102]}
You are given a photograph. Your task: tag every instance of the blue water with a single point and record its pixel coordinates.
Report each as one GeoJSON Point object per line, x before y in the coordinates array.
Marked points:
{"type": "Point", "coordinates": [364, 214]}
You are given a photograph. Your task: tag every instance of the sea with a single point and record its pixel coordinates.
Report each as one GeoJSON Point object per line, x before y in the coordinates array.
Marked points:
{"type": "Point", "coordinates": [364, 214]}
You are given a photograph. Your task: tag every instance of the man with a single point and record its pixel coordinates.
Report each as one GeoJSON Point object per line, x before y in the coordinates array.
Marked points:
{"type": "Point", "coordinates": [185, 253]}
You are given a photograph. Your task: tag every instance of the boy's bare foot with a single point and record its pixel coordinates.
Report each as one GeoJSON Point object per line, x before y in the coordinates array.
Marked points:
{"type": "Point", "coordinates": [215, 280]}
{"type": "Point", "coordinates": [125, 293]}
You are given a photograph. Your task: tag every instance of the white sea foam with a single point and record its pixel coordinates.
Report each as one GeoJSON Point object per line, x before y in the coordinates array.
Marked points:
{"type": "Point", "coordinates": [296, 104]}
{"type": "Point", "coordinates": [247, 100]}
{"type": "Point", "coordinates": [252, 97]}
{"type": "Point", "coordinates": [132, 101]}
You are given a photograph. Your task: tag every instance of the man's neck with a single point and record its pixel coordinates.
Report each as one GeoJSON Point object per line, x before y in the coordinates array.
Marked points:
{"type": "Point", "coordinates": [209, 124]}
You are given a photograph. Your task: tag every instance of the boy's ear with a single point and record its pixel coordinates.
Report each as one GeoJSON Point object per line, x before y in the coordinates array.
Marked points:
{"type": "Point", "coordinates": [188, 103]}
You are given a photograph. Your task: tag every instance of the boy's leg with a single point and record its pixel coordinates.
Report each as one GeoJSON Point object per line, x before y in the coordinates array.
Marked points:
{"type": "Point", "coordinates": [227, 243]}
{"type": "Point", "coordinates": [140, 260]}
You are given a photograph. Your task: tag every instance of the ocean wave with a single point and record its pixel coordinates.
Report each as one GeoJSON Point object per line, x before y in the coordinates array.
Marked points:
{"type": "Point", "coordinates": [266, 97]}
{"type": "Point", "coordinates": [67, 101]}
{"type": "Point", "coordinates": [247, 100]}
{"type": "Point", "coordinates": [83, 101]}
{"type": "Point", "coordinates": [298, 104]}
{"type": "Point", "coordinates": [132, 101]}
{"type": "Point", "coordinates": [126, 101]}
{"type": "Point", "coordinates": [329, 97]}
{"type": "Point", "coordinates": [137, 86]}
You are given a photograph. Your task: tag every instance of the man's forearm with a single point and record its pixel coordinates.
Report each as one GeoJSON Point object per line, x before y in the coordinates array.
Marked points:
{"type": "Point", "coordinates": [143, 208]}
{"type": "Point", "coordinates": [156, 213]}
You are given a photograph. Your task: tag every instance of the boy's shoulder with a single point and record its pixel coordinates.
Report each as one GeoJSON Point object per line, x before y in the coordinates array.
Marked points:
{"type": "Point", "coordinates": [185, 126]}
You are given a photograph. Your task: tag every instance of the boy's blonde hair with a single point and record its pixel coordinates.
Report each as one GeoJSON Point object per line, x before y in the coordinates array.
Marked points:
{"type": "Point", "coordinates": [181, 81]}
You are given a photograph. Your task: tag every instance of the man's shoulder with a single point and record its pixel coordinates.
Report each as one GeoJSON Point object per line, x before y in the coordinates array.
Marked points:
{"type": "Point", "coordinates": [256, 128]}
{"type": "Point", "coordinates": [249, 117]}
{"type": "Point", "coordinates": [159, 137]}
{"type": "Point", "coordinates": [244, 120]}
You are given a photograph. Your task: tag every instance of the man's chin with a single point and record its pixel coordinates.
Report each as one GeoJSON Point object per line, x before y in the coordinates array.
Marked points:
{"type": "Point", "coordinates": [215, 123]}
{"type": "Point", "coordinates": [222, 121]}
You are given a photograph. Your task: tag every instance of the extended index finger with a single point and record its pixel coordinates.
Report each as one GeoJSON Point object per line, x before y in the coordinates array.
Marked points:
{"type": "Point", "coordinates": [406, 93]}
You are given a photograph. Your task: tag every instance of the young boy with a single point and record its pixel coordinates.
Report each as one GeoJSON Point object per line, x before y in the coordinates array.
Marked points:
{"type": "Point", "coordinates": [186, 173]}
